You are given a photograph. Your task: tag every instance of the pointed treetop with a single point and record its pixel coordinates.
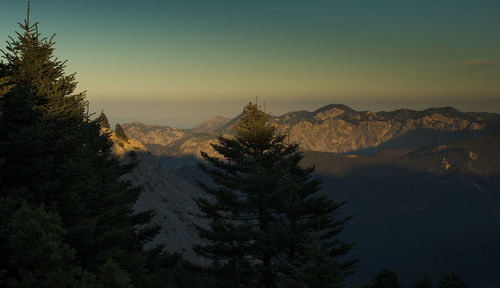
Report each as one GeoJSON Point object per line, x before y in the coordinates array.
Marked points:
{"type": "Point", "coordinates": [253, 127]}
{"type": "Point", "coordinates": [28, 16]}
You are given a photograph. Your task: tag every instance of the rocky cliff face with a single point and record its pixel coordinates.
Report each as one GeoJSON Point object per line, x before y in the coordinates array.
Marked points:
{"type": "Point", "coordinates": [337, 128]}
{"type": "Point", "coordinates": [148, 134]}
{"type": "Point", "coordinates": [333, 128]}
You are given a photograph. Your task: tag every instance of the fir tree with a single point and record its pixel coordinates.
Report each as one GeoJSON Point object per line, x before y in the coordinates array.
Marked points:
{"type": "Point", "coordinates": [268, 217]}
{"type": "Point", "coordinates": [54, 156]}
{"type": "Point", "coordinates": [424, 283]}
{"type": "Point", "coordinates": [451, 280]}
{"type": "Point", "coordinates": [112, 276]}
{"type": "Point", "coordinates": [386, 279]}
{"type": "Point", "coordinates": [37, 255]}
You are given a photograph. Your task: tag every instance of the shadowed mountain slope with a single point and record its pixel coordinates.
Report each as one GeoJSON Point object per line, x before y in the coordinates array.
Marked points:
{"type": "Point", "coordinates": [421, 211]}
{"type": "Point", "coordinates": [170, 196]}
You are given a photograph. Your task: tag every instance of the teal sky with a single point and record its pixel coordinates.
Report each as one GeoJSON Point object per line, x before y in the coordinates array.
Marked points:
{"type": "Point", "coordinates": [156, 60]}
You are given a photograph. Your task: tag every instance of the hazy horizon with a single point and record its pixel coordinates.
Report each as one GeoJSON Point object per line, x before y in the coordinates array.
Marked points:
{"type": "Point", "coordinates": [187, 114]}
{"type": "Point", "coordinates": [179, 63]}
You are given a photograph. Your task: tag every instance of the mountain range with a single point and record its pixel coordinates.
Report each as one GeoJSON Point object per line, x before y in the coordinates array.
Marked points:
{"type": "Point", "coordinates": [423, 186]}
{"type": "Point", "coordinates": [333, 128]}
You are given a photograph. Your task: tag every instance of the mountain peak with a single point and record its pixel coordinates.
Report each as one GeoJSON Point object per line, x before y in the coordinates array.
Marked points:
{"type": "Point", "coordinates": [211, 125]}
{"type": "Point", "coordinates": [334, 107]}
{"type": "Point", "coordinates": [442, 110]}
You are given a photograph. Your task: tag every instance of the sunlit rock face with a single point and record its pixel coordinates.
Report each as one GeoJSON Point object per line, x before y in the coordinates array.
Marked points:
{"type": "Point", "coordinates": [339, 129]}
{"type": "Point", "coordinates": [333, 128]}
{"type": "Point", "coordinates": [123, 146]}
{"type": "Point", "coordinates": [152, 133]}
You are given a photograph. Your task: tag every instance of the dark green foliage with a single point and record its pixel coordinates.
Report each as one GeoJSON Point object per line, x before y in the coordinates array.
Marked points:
{"type": "Point", "coordinates": [424, 283]}
{"type": "Point", "coordinates": [314, 269]}
{"type": "Point", "coordinates": [177, 273]}
{"type": "Point", "coordinates": [37, 255]}
{"type": "Point", "coordinates": [451, 280]}
{"type": "Point", "coordinates": [112, 276]}
{"type": "Point", "coordinates": [386, 279]}
{"type": "Point", "coordinates": [267, 217]}
{"type": "Point", "coordinates": [53, 157]}
{"type": "Point", "coordinates": [104, 120]}
{"type": "Point", "coordinates": [5, 86]}
{"type": "Point", "coordinates": [120, 133]}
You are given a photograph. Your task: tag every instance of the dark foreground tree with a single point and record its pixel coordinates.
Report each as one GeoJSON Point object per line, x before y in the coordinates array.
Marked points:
{"type": "Point", "coordinates": [269, 224]}
{"type": "Point", "coordinates": [451, 280]}
{"type": "Point", "coordinates": [386, 279]}
{"type": "Point", "coordinates": [424, 283]}
{"type": "Point", "coordinates": [57, 166]}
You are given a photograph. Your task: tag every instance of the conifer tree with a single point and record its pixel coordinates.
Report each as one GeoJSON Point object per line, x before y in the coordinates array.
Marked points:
{"type": "Point", "coordinates": [53, 155]}
{"type": "Point", "coordinates": [386, 279]}
{"type": "Point", "coordinates": [268, 217]}
{"type": "Point", "coordinates": [35, 242]}
{"type": "Point", "coordinates": [451, 280]}
{"type": "Point", "coordinates": [424, 283]}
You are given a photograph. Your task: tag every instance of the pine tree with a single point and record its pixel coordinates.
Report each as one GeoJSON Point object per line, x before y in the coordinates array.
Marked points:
{"type": "Point", "coordinates": [451, 280]}
{"type": "Point", "coordinates": [424, 283]}
{"type": "Point", "coordinates": [313, 269]}
{"type": "Point", "coordinates": [113, 276]}
{"type": "Point", "coordinates": [38, 257]}
{"type": "Point", "coordinates": [386, 279]}
{"type": "Point", "coordinates": [54, 156]}
{"type": "Point", "coordinates": [4, 88]}
{"type": "Point", "coordinates": [267, 216]}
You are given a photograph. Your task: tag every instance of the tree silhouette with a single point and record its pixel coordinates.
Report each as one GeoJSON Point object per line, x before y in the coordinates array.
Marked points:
{"type": "Point", "coordinates": [267, 215]}
{"type": "Point", "coordinates": [451, 280]}
{"type": "Point", "coordinates": [53, 157]}
{"type": "Point", "coordinates": [424, 283]}
{"type": "Point", "coordinates": [386, 279]}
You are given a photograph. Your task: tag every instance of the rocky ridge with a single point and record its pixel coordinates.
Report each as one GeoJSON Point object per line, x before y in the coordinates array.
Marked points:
{"type": "Point", "coordinates": [333, 128]}
{"type": "Point", "coordinates": [153, 134]}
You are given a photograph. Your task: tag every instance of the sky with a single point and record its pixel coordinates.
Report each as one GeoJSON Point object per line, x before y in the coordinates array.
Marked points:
{"type": "Point", "coordinates": [181, 62]}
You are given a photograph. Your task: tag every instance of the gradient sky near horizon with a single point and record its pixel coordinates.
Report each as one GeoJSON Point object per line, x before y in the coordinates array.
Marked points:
{"type": "Point", "coordinates": [181, 62]}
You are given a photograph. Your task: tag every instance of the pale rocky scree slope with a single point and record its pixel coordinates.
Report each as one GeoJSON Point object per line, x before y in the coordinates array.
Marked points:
{"type": "Point", "coordinates": [170, 196]}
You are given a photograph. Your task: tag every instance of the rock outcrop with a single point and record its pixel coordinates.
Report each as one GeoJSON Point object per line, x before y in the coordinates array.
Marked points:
{"type": "Point", "coordinates": [153, 134]}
